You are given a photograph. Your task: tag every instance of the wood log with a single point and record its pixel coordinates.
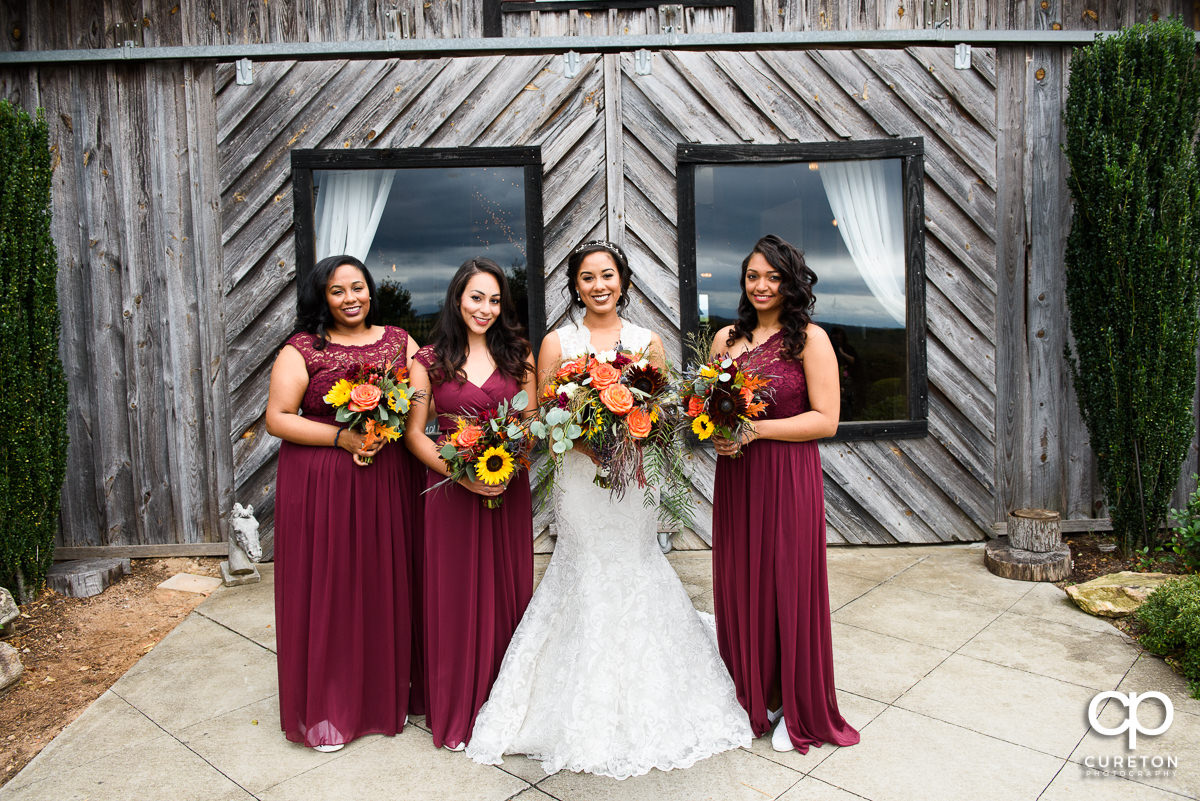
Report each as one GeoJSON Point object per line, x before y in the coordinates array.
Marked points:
{"type": "Point", "coordinates": [1014, 563]}
{"type": "Point", "coordinates": [1036, 530]}
{"type": "Point", "coordinates": [85, 577]}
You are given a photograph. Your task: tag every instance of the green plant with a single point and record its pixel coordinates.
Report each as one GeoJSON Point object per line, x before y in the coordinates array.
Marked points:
{"type": "Point", "coordinates": [1184, 540]}
{"type": "Point", "coordinates": [1132, 261]}
{"type": "Point", "coordinates": [1171, 616]}
{"type": "Point", "coordinates": [33, 390]}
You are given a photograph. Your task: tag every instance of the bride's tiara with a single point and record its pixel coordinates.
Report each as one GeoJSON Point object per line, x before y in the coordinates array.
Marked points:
{"type": "Point", "coordinates": [601, 244]}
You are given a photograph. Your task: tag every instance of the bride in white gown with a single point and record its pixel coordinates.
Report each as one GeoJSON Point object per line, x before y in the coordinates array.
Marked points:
{"type": "Point", "coordinates": [611, 670]}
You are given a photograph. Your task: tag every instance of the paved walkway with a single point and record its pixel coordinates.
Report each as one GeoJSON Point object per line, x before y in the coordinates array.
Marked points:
{"type": "Point", "coordinates": [964, 686]}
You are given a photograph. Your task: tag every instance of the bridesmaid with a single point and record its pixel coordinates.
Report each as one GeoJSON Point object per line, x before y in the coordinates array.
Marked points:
{"type": "Point", "coordinates": [770, 587]}
{"type": "Point", "coordinates": [343, 608]}
{"type": "Point", "coordinates": [478, 575]}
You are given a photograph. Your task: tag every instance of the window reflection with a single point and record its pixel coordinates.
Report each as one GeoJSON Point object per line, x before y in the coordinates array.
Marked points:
{"type": "Point", "coordinates": [429, 221]}
{"type": "Point", "coordinates": [856, 251]}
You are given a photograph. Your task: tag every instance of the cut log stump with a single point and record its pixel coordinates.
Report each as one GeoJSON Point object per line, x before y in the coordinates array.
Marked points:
{"type": "Point", "coordinates": [1037, 530]}
{"type": "Point", "coordinates": [1016, 563]}
{"type": "Point", "coordinates": [84, 578]}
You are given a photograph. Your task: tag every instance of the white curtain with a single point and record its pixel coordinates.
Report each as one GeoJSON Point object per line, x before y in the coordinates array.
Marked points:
{"type": "Point", "coordinates": [869, 210]}
{"type": "Point", "coordinates": [349, 206]}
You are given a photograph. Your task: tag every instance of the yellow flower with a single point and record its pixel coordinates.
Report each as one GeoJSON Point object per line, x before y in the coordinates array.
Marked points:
{"type": "Point", "coordinates": [654, 413]}
{"type": "Point", "coordinates": [339, 393]}
{"type": "Point", "coordinates": [494, 467]}
{"type": "Point", "coordinates": [391, 401]}
{"type": "Point", "coordinates": [703, 426]}
{"type": "Point", "coordinates": [708, 372]}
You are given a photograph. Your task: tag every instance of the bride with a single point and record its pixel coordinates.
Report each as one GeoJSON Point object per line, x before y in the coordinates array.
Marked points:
{"type": "Point", "coordinates": [611, 670]}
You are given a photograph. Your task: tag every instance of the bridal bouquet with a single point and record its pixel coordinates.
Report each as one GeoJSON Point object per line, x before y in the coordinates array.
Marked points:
{"type": "Point", "coordinates": [488, 447]}
{"type": "Point", "coordinates": [373, 398]}
{"type": "Point", "coordinates": [625, 410]}
{"type": "Point", "coordinates": [722, 398]}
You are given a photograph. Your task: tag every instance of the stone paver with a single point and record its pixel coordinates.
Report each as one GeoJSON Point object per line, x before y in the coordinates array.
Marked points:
{"type": "Point", "coordinates": [962, 685]}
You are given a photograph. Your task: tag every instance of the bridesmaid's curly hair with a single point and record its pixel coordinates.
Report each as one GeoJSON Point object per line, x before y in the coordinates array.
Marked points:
{"type": "Point", "coordinates": [505, 338]}
{"type": "Point", "coordinates": [796, 289]}
{"type": "Point", "coordinates": [312, 307]}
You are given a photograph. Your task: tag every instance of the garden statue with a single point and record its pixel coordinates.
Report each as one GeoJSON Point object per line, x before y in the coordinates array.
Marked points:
{"type": "Point", "coordinates": [244, 547]}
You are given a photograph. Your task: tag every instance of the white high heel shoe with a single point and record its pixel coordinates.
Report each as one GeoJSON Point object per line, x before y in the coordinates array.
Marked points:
{"type": "Point", "coordinates": [780, 740]}
{"type": "Point", "coordinates": [329, 749]}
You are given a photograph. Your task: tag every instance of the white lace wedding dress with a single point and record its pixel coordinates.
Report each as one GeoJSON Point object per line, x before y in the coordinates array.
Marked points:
{"type": "Point", "coordinates": [611, 671]}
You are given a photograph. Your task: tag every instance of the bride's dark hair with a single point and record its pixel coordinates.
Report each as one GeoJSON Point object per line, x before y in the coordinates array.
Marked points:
{"type": "Point", "coordinates": [505, 338]}
{"type": "Point", "coordinates": [795, 287]}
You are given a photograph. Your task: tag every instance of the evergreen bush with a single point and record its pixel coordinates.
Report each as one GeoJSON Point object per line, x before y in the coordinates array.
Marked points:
{"type": "Point", "coordinates": [1171, 616]}
{"type": "Point", "coordinates": [33, 390]}
{"type": "Point", "coordinates": [1132, 259]}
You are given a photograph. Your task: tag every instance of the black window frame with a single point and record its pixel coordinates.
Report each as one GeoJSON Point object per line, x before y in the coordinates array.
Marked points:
{"type": "Point", "coordinates": [494, 10]}
{"type": "Point", "coordinates": [911, 152]}
{"type": "Point", "coordinates": [305, 161]}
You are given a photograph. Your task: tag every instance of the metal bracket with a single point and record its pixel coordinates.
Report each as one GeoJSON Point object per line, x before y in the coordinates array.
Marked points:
{"type": "Point", "coordinates": [571, 64]}
{"type": "Point", "coordinates": [937, 14]}
{"type": "Point", "coordinates": [642, 62]}
{"type": "Point", "coordinates": [127, 35]}
{"type": "Point", "coordinates": [399, 23]}
{"type": "Point", "coordinates": [670, 19]}
{"type": "Point", "coordinates": [962, 57]}
{"type": "Point", "coordinates": [245, 71]}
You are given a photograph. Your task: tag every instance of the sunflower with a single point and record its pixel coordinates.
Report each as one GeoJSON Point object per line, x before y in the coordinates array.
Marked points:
{"type": "Point", "coordinates": [339, 393]}
{"type": "Point", "coordinates": [703, 427]}
{"type": "Point", "coordinates": [648, 379]}
{"type": "Point", "coordinates": [494, 467]}
{"type": "Point", "coordinates": [725, 407]}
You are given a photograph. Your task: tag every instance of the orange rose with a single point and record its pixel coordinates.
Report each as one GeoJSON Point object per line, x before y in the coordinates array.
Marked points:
{"type": "Point", "coordinates": [638, 421]}
{"type": "Point", "coordinates": [364, 398]}
{"type": "Point", "coordinates": [617, 398]}
{"type": "Point", "coordinates": [469, 436]}
{"type": "Point", "coordinates": [695, 406]}
{"type": "Point", "coordinates": [569, 368]}
{"type": "Point", "coordinates": [603, 375]}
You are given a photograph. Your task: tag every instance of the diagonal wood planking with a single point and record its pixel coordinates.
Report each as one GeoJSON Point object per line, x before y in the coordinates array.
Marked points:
{"type": "Point", "coordinates": [938, 488]}
{"type": "Point", "coordinates": [483, 101]}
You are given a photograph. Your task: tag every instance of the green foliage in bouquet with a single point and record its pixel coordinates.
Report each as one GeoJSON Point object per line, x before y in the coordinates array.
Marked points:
{"type": "Point", "coordinates": [1171, 616]}
{"type": "Point", "coordinates": [33, 389]}
{"type": "Point", "coordinates": [1132, 263]}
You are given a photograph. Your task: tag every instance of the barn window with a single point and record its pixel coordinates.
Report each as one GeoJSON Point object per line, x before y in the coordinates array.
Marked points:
{"type": "Point", "coordinates": [414, 215]}
{"type": "Point", "coordinates": [495, 11]}
{"type": "Point", "coordinates": [856, 210]}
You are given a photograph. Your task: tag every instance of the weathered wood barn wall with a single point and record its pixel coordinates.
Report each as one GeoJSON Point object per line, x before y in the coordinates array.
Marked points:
{"type": "Point", "coordinates": [173, 217]}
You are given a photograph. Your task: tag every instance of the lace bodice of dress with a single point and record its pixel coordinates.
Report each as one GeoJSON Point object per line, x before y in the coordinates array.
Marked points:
{"type": "Point", "coordinates": [575, 338]}
{"type": "Point", "coordinates": [789, 389]}
{"type": "Point", "coordinates": [333, 362]}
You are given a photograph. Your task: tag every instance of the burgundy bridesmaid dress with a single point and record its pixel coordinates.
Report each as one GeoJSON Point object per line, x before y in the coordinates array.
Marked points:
{"type": "Point", "coordinates": [344, 550]}
{"type": "Point", "coordinates": [770, 586]}
{"type": "Point", "coordinates": [478, 573]}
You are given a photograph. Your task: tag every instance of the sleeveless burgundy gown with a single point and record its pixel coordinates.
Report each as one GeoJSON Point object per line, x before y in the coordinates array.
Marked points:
{"type": "Point", "coordinates": [770, 587]}
{"type": "Point", "coordinates": [478, 574]}
{"type": "Point", "coordinates": [344, 558]}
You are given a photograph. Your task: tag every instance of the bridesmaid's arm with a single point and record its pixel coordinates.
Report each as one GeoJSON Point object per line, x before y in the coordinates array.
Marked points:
{"type": "Point", "coordinates": [415, 437]}
{"type": "Point", "coordinates": [419, 442]}
{"type": "Point", "coordinates": [718, 344]}
{"type": "Point", "coordinates": [824, 396]}
{"type": "Point", "coordinates": [289, 382]}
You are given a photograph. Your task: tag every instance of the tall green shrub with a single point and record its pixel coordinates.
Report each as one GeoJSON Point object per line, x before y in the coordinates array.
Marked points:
{"type": "Point", "coordinates": [1132, 258]}
{"type": "Point", "coordinates": [33, 390]}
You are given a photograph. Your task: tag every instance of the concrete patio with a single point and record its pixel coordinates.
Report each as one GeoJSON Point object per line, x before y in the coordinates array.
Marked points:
{"type": "Point", "coordinates": [963, 685]}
